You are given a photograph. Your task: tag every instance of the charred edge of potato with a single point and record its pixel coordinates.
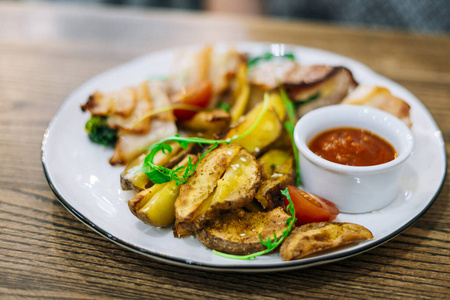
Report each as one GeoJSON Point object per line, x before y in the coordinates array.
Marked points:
{"type": "Point", "coordinates": [207, 121]}
{"type": "Point", "coordinates": [314, 237]}
{"type": "Point", "coordinates": [133, 179]}
{"type": "Point", "coordinates": [237, 232]}
{"type": "Point", "coordinates": [141, 200]}
{"type": "Point", "coordinates": [278, 171]}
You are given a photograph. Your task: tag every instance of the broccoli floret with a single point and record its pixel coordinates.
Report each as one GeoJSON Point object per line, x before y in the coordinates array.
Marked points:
{"type": "Point", "coordinates": [99, 132]}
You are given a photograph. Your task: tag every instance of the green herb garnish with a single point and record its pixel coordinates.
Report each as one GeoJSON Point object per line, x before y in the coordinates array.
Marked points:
{"type": "Point", "coordinates": [289, 126]}
{"type": "Point", "coordinates": [270, 244]}
{"type": "Point", "coordinates": [224, 106]}
{"type": "Point", "coordinates": [160, 174]}
{"type": "Point", "coordinates": [267, 56]}
{"type": "Point", "coordinates": [99, 131]}
{"type": "Point", "coordinates": [310, 99]}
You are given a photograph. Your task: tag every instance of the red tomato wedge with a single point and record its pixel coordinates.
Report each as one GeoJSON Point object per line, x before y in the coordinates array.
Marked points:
{"type": "Point", "coordinates": [198, 95]}
{"type": "Point", "coordinates": [311, 208]}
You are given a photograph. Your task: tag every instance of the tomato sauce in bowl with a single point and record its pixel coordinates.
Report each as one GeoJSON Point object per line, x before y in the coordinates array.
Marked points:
{"type": "Point", "coordinates": [352, 147]}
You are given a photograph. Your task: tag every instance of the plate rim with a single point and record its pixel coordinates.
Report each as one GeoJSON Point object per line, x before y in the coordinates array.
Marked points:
{"type": "Point", "coordinates": [318, 260]}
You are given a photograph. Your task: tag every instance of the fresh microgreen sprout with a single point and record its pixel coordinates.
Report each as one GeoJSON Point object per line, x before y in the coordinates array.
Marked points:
{"type": "Point", "coordinates": [270, 244]}
{"type": "Point", "coordinates": [267, 56]}
{"type": "Point", "coordinates": [224, 106]}
{"type": "Point", "coordinates": [159, 174]}
{"type": "Point", "coordinates": [289, 126]}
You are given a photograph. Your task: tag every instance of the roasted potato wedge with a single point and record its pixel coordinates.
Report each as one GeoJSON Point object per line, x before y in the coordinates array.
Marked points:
{"type": "Point", "coordinates": [155, 205]}
{"type": "Point", "coordinates": [133, 179]}
{"type": "Point", "coordinates": [237, 232]}
{"type": "Point", "coordinates": [314, 237]}
{"type": "Point", "coordinates": [209, 122]}
{"type": "Point", "coordinates": [266, 132]}
{"type": "Point", "coordinates": [225, 179]}
{"type": "Point", "coordinates": [277, 172]}
{"type": "Point", "coordinates": [240, 94]}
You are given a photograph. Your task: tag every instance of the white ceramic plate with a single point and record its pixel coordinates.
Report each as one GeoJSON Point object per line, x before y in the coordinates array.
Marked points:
{"type": "Point", "coordinates": [81, 177]}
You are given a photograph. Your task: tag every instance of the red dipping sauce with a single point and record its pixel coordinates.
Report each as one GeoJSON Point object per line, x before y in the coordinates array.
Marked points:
{"type": "Point", "coordinates": [352, 147]}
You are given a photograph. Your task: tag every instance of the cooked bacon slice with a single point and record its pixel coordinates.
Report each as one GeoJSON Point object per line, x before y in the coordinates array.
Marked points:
{"type": "Point", "coordinates": [120, 102]}
{"type": "Point", "coordinates": [270, 75]}
{"type": "Point", "coordinates": [189, 68]}
{"type": "Point", "coordinates": [381, 98]}
{"type": "Point", "coordinates": [130, 145]}
{"type": "Point", "coordinates": [223, 69]}
{"type": "Point", "coordinates": [133, 122]}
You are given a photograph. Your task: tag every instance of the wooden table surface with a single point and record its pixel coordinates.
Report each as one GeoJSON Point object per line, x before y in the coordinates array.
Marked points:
{"type": "Point", "coordinates": [47, 51]}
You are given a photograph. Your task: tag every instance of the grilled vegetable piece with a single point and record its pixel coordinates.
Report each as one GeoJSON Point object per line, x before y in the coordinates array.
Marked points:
{"type": "Point", "coordinates": [237, 232]}
{"type": "Point", "coordinates": [155, 205]}
{"type": "Point", "coordinates": [209, 122]}
{"type": "Point", "coordinates": [314, 237]}
{"type": "Point", "coordinates": [225, 179]}
{"type": "Point", "coordinates": [133, 179]}
{"type": "Point", "coordinates": [277, 172]}
{"type": "Point", "coordinates": [99, 132]}
{"type": "Point", "coordinates": [265, 133]}
{"type": "Point", "coordinates": [380, 98]}
{"type": "Point", "coordinates": [323, 86]}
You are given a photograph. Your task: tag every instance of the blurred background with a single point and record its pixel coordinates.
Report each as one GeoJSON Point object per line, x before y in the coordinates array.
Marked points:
{"type": "Point", "coordinates": [422, 16]}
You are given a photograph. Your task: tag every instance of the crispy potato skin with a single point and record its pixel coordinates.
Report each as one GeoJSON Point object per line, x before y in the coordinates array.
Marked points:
{"type": "Point", "coordinates": [237, 232]}
{"type": "Point", "coordinates": [227, 178]}
{"type": "Point", "coordinates": [202, 183]}
{"type": "Point", "coordinates": [314, 237]}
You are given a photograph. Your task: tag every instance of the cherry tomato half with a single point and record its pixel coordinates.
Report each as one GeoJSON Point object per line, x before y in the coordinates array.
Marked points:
{"type": "Point", "coordinates": [198, 95]}
{"type": "Point", "coordinates": [311, 208]}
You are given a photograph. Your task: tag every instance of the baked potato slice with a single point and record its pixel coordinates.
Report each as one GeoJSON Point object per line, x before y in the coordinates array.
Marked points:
{"type": "Point", "coordinates": [209, 122]}
{"type": "Point", "coordinates": [155, 205]}
{"type": "Point", "coordinates": [133, 179]}
{"type": "Point", "coordinates": [277, 172]}
{"type": "Point", "coordinates": [235, 189]}
{"type": "Point", "coordinates": [225, 179]}
{"type": "Point", "coordinates": [314, 237]}
{"type": "Point", "coordinates": [200, 185]}
{"type": "Point", "coordinates": [265, 133]}
{"type": "Point", "coordinates": [237, 232]}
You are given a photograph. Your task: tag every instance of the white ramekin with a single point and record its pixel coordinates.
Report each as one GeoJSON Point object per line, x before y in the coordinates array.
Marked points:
{"type": "Point", "coordinates": [353, 189]}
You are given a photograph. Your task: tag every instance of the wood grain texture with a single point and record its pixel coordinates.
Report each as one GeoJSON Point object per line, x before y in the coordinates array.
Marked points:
{"type": "Point", "coordinates": [47, 51]}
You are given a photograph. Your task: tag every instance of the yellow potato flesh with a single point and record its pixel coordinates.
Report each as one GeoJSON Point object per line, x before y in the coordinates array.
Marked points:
{"type": "Point", "coordinates": [272, 162]}
{"type": "Point", "coordinates": [233, 184]}
{"type": "Point", "coordinates": [159, 210]}
{"type": "Point", "coordinates": [266, 132]}
{"type": "Point", "coordinates": [241, 94]}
